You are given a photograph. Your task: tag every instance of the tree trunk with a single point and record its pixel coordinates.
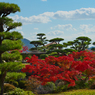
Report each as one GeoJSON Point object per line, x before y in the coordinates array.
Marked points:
{"type": "Point", "coordinates": [0, 58]}
{"type": "Point", "coordinates": [2, 78]}
{"type": "Point", "coordinates": [0, 51]}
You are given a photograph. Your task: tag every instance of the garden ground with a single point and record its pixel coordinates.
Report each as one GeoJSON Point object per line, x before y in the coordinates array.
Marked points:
{"type": "Point", "coordinates": [76, 92]}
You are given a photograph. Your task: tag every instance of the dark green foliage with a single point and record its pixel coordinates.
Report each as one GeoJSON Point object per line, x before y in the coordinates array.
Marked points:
{"type": "Point", "coordinates": [79, 44]}
{"type": "Point", "coordinates": [93, 43]}
{"type": "Point", "coordinates": [21, 84]}
{"type": "Point", "coordinates": [67, 51]}
{"type": "Point", "coordinates": [6, 9]}
{"type": "Point", "coordinates": [56, 40]}
{"type": "Point", "coordinates": [32, 49]}
{"type": "Point", "coordinates": [40, 35]}
{"type": "Point", "coordinates": [53, 54]}
{"type": "Point", "coordinates": [36, 43]}
{"type": "Point", "coordinates": [60, 46]}
{"type": "Point", "coordinates": [55, 46]}
{"type": "Point", "coordinates": [25, 55]}
{"type": "Point", "coordinates": [93, 48]}
{"type": "Point", "coordinates": [81, 84]}
{"type": "Point", "coordinates": [43, 56]}
{"type": "Point", "coordinates": [43, 40]}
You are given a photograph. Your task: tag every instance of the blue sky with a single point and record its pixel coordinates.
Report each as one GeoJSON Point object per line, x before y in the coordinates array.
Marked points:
{"type": "Point", "coordinates": [66, 19]}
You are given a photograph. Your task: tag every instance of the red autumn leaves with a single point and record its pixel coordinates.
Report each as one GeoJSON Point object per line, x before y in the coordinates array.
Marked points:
{"type": "Point", "coordinates": [67, 68]}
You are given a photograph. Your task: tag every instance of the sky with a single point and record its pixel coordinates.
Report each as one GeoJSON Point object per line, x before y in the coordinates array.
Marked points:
{"type": "Point", "coordinates": [67, 19]}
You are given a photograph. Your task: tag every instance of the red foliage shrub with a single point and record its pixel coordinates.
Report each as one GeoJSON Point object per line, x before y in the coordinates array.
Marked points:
{"type": "Point", "coordinates": [68, 68]}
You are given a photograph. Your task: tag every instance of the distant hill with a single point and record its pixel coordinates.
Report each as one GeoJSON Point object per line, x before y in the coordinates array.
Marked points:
{"type": "Point", "coordinates": [91, 48]}
{"type": "Point", "coordinates": [27, 43]}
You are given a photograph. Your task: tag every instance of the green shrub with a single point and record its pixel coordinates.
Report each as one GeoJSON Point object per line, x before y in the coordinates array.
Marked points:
{"type": "Point", "coordinates": [80, 84]}
{"type": "Point", "coordinates": [25, 55]}
{"type": "Point", "coordinates": [53, 54]}
{"type": "Point", "coordinates": [48, 88]}
{"type": "Point", "coordinates": [19, 91]}
{"type": "Point", "coordinates": [14, 77]}
{"type": "Point", "coordinates": [60, 86]}
{"type": "Point", "coordinates": [92, 83]}
{"type": "Point", "coordinates": [43, 56]}
{"type": "Point", "coordinates": [8, 87]}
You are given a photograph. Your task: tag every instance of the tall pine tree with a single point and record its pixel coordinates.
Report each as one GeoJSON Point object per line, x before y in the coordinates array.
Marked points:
{"type": "Point", "coordinates": [8, 41]}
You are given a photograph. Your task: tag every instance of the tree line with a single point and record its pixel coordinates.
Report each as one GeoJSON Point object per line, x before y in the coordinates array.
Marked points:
{"type": "Point", "coordinates": [56, 46]}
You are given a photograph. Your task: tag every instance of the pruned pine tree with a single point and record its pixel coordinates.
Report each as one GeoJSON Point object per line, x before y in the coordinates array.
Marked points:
{"type": "Point", "coordinates": [55, 46]}
{"type": "Point", "coordinates": [36, 44]}
{"type": "Point", "coordinates": [80, 43]}
{"type": "Point", "coordinates": [56, 40]}
{"type": "Point", "coordinates": [43, 40]}
{"type": "Point", "coordinates": [8, 41]}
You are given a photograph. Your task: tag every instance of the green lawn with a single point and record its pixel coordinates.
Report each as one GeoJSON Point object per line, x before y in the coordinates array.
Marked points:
{"type": "Point", "coordinates": [76, 92]}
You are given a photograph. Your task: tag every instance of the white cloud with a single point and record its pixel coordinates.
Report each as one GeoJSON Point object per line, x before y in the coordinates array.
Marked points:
{"type": "Point", "coordinates": [64, 27]}
{"type": "Point", "coordinates": [87, 28]}
{"type": "Point", "coordinates": [33, 36]}
{"type": "Point", "coordinates": [78, 14]}
{"type": "Point", "coordinates": [18, 28]}
{"type": "Point", "coordinates": [56, 33]}
{"type": "Point", "coordinates": [43, 0]}
{"type": "Point", "coordinates": [36, 28]}
{"type": "Point", "coordinates": [32, 19]}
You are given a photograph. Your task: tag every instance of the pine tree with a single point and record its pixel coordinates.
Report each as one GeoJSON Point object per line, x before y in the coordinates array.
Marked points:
{"type": "Point", "coordinates": [8, 41]}
{"type": "Point", "coordinates": [80, 43]}
{"type": "Point", "coordinates": [56, 46]}
{"type": "Point", "coordinates": [42, 39]}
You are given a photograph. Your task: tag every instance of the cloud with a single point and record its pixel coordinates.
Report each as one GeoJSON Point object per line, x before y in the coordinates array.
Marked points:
{"type": "Point", "coordinates": [87, 28]}
{"type": "Point", "coordinates": [64, 27]}
{"type": "Point", "coordinates": [78, 14]}
{"type": "Point", "coordinates": [43, 0]}
{"type": "Point", "coordinates": [56, 33]}
{"type": "Point", "coordinates": [32, 19]}
{"type": "Point", "coordinates": [18, 28]}
{"type": "Point", "coordinates": [36, 28]}
{"type": "Point", "coordinates": [33, 36]}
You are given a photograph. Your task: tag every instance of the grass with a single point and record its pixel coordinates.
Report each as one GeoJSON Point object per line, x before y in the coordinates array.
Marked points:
{"type": "Point", "coordinates": [76, 92]}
